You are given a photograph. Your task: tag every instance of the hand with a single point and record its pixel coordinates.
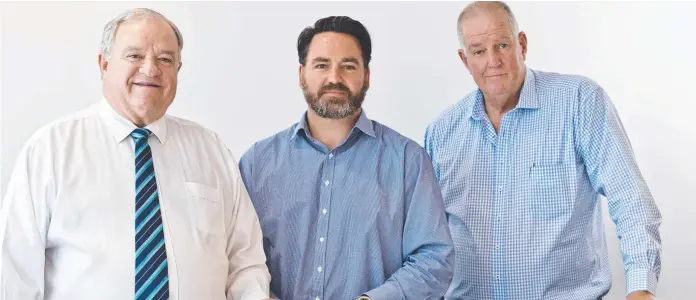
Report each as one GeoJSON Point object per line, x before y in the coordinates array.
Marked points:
{"type": "Point", "coordinates": [640, 295]}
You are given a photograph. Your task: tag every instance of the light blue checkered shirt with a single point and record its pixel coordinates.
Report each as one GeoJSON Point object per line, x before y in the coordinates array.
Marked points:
{"type": "Point", "coordinates": [524, 204]}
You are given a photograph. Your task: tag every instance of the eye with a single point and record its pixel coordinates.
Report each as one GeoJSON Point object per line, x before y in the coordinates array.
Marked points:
{"type": "Point", "coordinates": [478, 52]}
{"type": "Point", "coordinates": [349, 67]}
{"type": "Point", "coordinates": [133, 56]}
{"type": "Point", "coordinates": [166, 60]}
{"type": "Point", "coordinates": [503, 46]}
{"type": "Point", "coordinates": [320, 66]}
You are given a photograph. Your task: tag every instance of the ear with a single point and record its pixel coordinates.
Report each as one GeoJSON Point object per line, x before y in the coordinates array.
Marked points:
{"type": "Point", "coordinates": [462, 56]}
{"type": "Point", "coordinates": [522, 37]}
{"type": "Point", "coordinates": [103, 64]}
{"type": "Point", "coordinates": [367, 78]}
{"type": "Point", "coordinates": [181, 64]}
{"type": "Point", "coordinates": [300, 72]}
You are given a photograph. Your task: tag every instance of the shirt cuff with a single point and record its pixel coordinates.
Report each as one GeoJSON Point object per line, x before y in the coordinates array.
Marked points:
{"type": "Point", "coordinates": [385, 292]}
{"type": "Point", "coordinates": [640, 280]}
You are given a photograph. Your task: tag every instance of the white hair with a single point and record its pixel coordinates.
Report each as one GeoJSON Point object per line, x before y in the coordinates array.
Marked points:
{"type": "Point", "coordinates": [135, 14]}
{"type": "Point", "coordinates": [485, 5]}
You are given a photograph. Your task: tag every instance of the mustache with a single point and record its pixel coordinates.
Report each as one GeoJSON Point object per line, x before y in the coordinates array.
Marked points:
{"type": "Point", "coordinates": [334, 87]}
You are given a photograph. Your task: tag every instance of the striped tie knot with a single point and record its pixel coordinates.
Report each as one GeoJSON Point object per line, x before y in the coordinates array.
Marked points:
{"type": "Point", "coordinates": [140, 133]}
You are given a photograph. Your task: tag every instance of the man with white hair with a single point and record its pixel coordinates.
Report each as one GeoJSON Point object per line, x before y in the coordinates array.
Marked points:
{"type": "Point", "coordinates": [522, 162]}
{"type": "Point", "coordinates": [121, 201]}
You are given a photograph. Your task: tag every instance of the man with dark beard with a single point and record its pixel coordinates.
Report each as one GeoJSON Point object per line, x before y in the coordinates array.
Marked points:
{"type": "Point", "coordinates": [348, 207]}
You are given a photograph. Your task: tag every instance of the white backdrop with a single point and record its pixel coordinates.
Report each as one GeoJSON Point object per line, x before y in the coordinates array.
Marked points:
{"type": "Point", "coordinates": [240, 79]}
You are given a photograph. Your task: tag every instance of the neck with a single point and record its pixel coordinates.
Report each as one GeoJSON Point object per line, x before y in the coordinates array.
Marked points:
{"type": "Point", "coordinates": [331, 132]}
{"type": "Point", "coordinates": [500, 105]}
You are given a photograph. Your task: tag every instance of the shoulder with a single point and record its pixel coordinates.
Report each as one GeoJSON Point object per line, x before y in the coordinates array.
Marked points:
{"type": "Point", "coordinates": [580, 85]}
{"type": "Point", "coordinates": [455, 113]}
{"type": "Point", "coordinates": [397, 141]}
{"type": "Point", "coordinates": [58, 131]}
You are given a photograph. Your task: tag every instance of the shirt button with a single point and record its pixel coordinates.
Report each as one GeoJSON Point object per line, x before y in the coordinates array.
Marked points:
{"type": "Point", "coordinates": [330, 155]}
{"type": "Point", "coordinates": [500, 188]}
{"type": "Point", "coordinates": [317, 298]}
{"type": "Point", "coordinates": [326, 182]}
{"type": "Point", "coordinates": [319, 269]}
{"type": "Point", "coordinates": [497, 246]}
{"type": "Point", "coordinates": [321, 239]}
{"type": "Point", "coordinates": [323, 211]}
{"type": "Point", "coordinates": [497, 277]}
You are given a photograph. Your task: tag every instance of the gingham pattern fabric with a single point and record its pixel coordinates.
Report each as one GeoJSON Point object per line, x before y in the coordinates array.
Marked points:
{"type": "Point", "coordinates": [524, 203]}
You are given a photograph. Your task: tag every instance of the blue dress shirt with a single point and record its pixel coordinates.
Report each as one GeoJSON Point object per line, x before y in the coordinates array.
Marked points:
{"type": "Point", "coordinates": [524, 203]}
{"type": "Point", "coordinates": [364, 218]}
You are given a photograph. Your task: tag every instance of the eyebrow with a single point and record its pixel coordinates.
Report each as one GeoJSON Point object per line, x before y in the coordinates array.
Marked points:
{"type": "Point", "coordinates": [324, 59]}
{"type": "Point", "coordinates": [499, 40]}
{"type": "Point", "coordinates": [320, 59]}
{"type": "Point", "coordinates": [134, 48]}
{"type": "Point", "coordinates": [351, 60]}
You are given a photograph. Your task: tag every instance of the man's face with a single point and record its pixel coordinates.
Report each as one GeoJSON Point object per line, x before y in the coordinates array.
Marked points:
{"type": "Point", "coordinates": [334, 79]}
{"type": "Point", "coordinates": [493, 55]}
{"type": "Point", "coordinates": [139, 77]}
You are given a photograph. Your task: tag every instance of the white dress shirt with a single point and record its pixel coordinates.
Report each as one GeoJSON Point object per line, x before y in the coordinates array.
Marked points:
{"type": "Point", "coordinates": [67, 220]}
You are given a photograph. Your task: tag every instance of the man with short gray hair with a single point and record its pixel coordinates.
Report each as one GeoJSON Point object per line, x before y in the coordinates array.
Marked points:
{"type": "Point", "coordinates": [522, 162]}
{"type": "Point", "coordinates": [121, 201]}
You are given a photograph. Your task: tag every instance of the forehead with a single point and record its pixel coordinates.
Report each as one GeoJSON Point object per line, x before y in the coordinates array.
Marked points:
{"type": "Point", "coordinates": [484, 25]}
{"type": "Point", "coordinates": [334, 45]}
{"type": "Point", "coordinates": [147, 32]}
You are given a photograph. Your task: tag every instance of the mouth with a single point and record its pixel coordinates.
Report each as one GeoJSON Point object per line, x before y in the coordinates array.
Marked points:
{"type": "Point", "coordinates": [495, 76]}
{"type": "Point", "coordinates": [334, 92]}
{"type": "Point", "coordinates": [147, 84]}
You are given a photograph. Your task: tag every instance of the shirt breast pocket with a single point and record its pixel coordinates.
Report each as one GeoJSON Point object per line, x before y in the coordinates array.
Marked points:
{"type": "Point", "coordinates": [552, 189]}
{"type": "Point", "coordinates": [205, 209]}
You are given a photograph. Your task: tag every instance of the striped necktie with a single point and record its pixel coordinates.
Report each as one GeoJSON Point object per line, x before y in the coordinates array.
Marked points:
{"type": "Point", "coordinates": [151, 279]}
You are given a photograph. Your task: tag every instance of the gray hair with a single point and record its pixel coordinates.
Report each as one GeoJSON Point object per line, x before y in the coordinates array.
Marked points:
{"type": "Point", "coordinates": [135, 14]}
{"type": "Point", "coordinates": [488, 6]}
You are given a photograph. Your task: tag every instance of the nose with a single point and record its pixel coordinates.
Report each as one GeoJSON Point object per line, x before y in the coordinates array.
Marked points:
{"type": "Point", "coordinates": [150, 68]}
{"type": "Point", "coordinates": [334, 75]}
{"type": "Point", "coordinates": [494, 59]}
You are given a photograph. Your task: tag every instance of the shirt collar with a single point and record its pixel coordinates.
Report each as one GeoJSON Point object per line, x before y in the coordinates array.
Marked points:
{"type": "Point", "coordinates": [528, 98]}
{"type": "Point", "coordinates": [120, 128]}
{"type": "Point", "coordinates": [363, 124]}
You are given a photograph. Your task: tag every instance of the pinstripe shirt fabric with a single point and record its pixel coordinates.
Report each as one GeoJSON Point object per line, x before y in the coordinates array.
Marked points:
{"type": "Point", "coordinates": [524, 203]}
{"type": "Point", "coordinates": [365, 218]}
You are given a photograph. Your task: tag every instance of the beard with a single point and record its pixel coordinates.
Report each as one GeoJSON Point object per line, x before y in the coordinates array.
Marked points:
{"type": "Point", "coordinates": [334, 107]}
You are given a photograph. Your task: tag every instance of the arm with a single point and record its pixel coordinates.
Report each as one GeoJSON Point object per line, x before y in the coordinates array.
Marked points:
{"type": "Point", "coordinates": [248, 277]}
{"type": "Point", "coordinates": [613, 172]}
{"type": "Point", "coordinates": [429, 144]}
{"type": "Point", "coordinates": [427, 244]}
{"type": "Point", "coordinates": [245, 167]}
{"type": "Point", "coordinates": [23, 227]}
